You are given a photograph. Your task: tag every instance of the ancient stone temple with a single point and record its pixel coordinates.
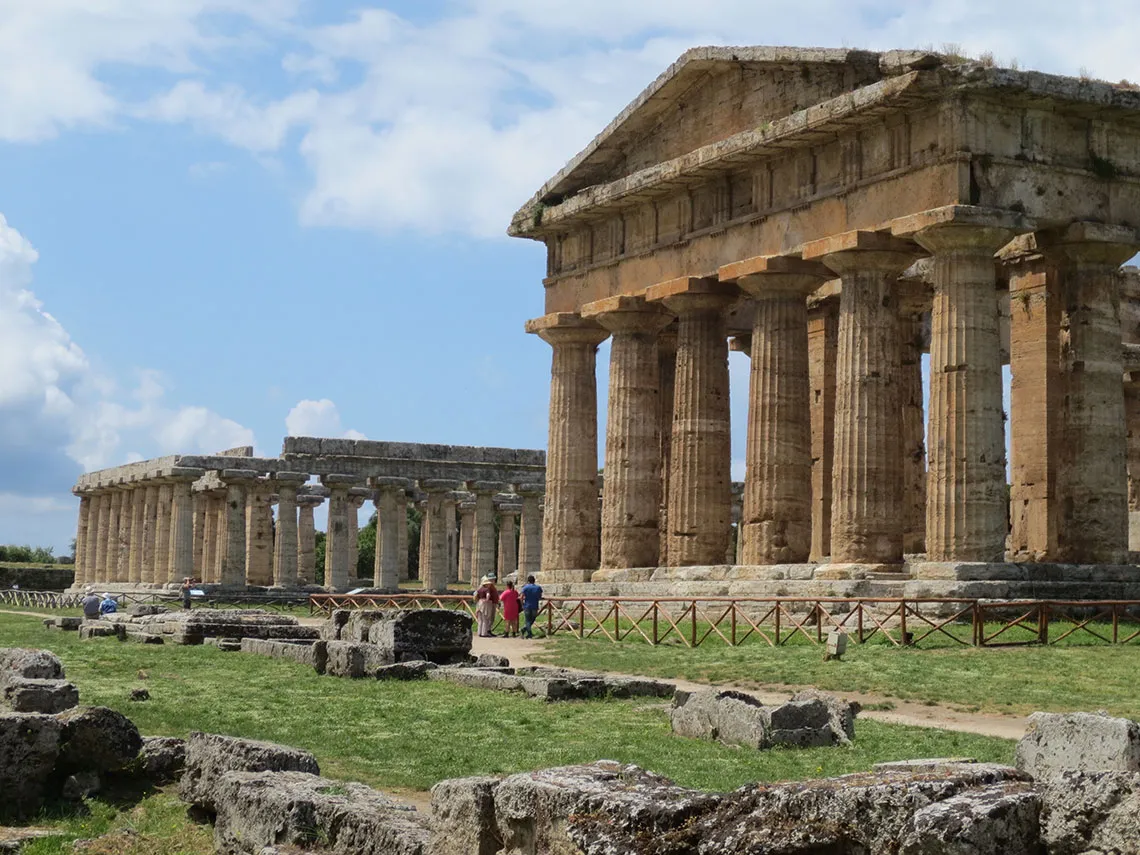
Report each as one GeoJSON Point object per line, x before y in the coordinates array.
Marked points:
{"type": "Point", "coordinates": [210, 517]}
{"type": "Point", "coordinates": [836, 214]}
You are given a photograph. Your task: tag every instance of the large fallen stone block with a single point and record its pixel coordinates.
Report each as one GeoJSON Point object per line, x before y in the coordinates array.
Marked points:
{"type": "Point", "coordinates": [97, 739]}
{"type": "Point", "coordinates": [161, 759]}
{"type": "Point", "coordinates": [97, 629]}
{"type": "Point", "coordinates": [997, 820]}
{"type": "Point", "coordinates": [353, 659]}
{"type": "Point", "coordinates": [842, 713]}
{"type": "Point", "coordinates": [331, 629]}
{"type": "Point", "coordinates": [358, 626]}
{"type": "Point", "coordinates": [261, 809]}
{"type": "Point", "coordinates": [29, 663]}
{"type": "Point", "coordinates": [441, 636]}
{"type": "Point", "coordinates": [737, 718]}
{"type": "Point", "coordinates": [22, 694]}
{"type": "Point", "coordinates": [463, 816]}
{"type": "Point", "coordinates": [1086, 742]}
{"type": "Point", "coordinates": [414, 670]}
{"type": "Point", "coordinates": [304, 652]}
{"type": "Point", "coordinates": [477, 678]}
{"type": "Point", "coordinates": [29, 746]}
{"type": "Point", "coordinates": [66, 624]}
{"type": "Point", "coordinates": [581, 808]}
{"type": "Point", "coordinates": [1091, 812]}
{"type": "Point", "coordinates": [209, 756]}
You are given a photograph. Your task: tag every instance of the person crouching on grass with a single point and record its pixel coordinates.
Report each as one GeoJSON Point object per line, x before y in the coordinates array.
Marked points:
{"type": "Point", "coordinates": [486, 604]}
{"type": "Point", "coordinates": [510, 600]}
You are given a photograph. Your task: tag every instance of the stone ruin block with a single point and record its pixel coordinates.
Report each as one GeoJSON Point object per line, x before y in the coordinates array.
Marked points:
{"type": "Point", "coordinates": [350, 659]}
{"type": "Point", "coordinates": [415, 670]}
{"type": "Point", "coordinates": [38, 696]}
{"type": "Point", "coordinates": [97, 629]}
{"type": "Point", "coordinates": [1003, 819]}
{"type": "Point", "coordinates": [441, 636]}
{"type": "Point", "coordinates": [298, 651]}
{"type": "Point", "coordinates": [331, 629]}
{"type": "Point", "coordinates": [1090, 812]}
{"type": "Point", "coordinates": [262, 809]}
{"type": "Point", "coordinates": [67, 624]}
{"type": "Point", "coordinates": [737, 718]}
{"type": "Point", "coordinates": [97, 739]}
{"type": "Point", "coordinates": [29, 746]}
{"type": "Point", "coordinates": [463, 816]}
{"type": "Point", "coordinates": [209, 756]}
{"type": "Point", "coordinates": [161, 759]}
{"type": "Point", "coordinates": [1083, 742]}
{"type": "Point", "coordinates": [30, 663]}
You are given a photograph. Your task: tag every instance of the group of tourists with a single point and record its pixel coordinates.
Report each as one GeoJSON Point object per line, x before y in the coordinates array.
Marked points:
{"type": "Point", "coordinates": [94, 606]}
{"type": "Point", "coordinates": [488, 599]}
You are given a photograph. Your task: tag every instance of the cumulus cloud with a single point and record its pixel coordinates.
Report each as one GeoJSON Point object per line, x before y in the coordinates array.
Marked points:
{"type": "Point", "coordinates": [318, 418]}
{"type": "Point", "coordinates": [59, 417]}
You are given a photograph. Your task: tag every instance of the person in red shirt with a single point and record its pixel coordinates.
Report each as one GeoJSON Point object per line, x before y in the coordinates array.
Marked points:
{"type": "Point", "coordinates": [486, 604]}
{"type": "Point", "coordinates": [510, 601]}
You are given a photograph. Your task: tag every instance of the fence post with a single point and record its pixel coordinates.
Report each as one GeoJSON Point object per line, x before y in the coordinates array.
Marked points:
{"type": "Point", "coordinates": [778, 607]}
{"type": "Point", "coordinates": [656, 606]}
{"type": "Point", "coordinates": [693, 624]}
{"type": "Point", "coordinates": [617, 620]}
{"type": "Point", "coordinates": [902, 624]}
{"type": "Point", "coordinates": [859, 619]}
{"type": "Point", "coordinates": [581, 619]}
{"type": "Point", "coordinates": [1043, 623]}
{"type": "Point", "coordinates": [1115, 624]}
{"type": "Point", "coordinates": [733, 613]}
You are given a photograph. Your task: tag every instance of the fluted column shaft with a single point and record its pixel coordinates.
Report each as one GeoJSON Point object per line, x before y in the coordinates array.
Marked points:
{"type": "Point", "coordinates": [823, 346]}
{"type": "Point", "coordinates": [285, 537]}
{"type": "Point", "coordinates": [221, 525]}
{"type": "Point", "coordinates": [913, 426]}
{"type": "Point", "coordinates": [306, 542]}
{"type": "Point", "coordinates": [402, 541]}
{"type": "Point", "coordinates": [91, 542]}
{"type": "Point", "coordinates": [149, 531]}
{"type": "Point", "coordinates": [138, 517]}
{"type": "Point", "coordinates": [258, 535]}
{"type": "Point", "coordinates": [965, 504]}
{"type": "Point", "coordinates": [126, 518]}
{"type": "Point", "coordinates": [200, 503]}
{"type": "Point", "coordinates": [466, 541]}
{"type": "Point", "coordinates": [434, 573]}
{"type": "Point", "coordinates": [164, 505]}
{"type": "Point", "coordinates": [391, 516]}
{"type": "Point", "coordinates": [425, 539]}
{"type": "Point", "coordinates": [775, 524]}
{"type": "Point", "coordinates": [866, 512]}
{"type": "Point", "coordinates": [353, 519]}
{"type": "Point", "coordinates": [666, 380]}
{"type": "Point", "coordinates": [112, 549]}
{"type": "Point", "coordinates": [699, 503]}
{"type": "Point", "coordinates": [103, 544]}
{"type": "Point", "coordinates": [233, 556]}
{"type": "Point", "coordinates": [483, 540]}
{"type": "Point", "coordinates": [209, 569]}
{"type": "Point", "coordinates": [1132, 424]}
{"type": "Point", "coordinates": [570, 537]}
{"type": "Point", "coordinates": [631, 496]}
{"type": "Point", "coordinates": [508, 552]}
{"type": "Point", "coordinates": [450, 520]}
{"type": "Point", "coordinates": [336, 540]}
{"type": "Point", "coordinates": [181, 533]}
{"type": "Point", "coordinates": [82, 527]}
{"type": "Point", "coordinates": [530, 536]}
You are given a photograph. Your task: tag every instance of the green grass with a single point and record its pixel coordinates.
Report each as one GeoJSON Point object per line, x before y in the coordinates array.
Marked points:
{"type": "Point", "coordinates": [1012, 679]}
{"type": "Point", "coordinates": [410, 735]}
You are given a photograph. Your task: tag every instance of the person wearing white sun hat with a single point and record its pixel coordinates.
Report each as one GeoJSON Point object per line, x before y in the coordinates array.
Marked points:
{"type": "Point", "coordinates": [486, 604]}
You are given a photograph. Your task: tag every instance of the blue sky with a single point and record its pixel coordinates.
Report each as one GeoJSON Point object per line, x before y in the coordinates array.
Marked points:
{"type": "Point", "coordinates": [226, 220]}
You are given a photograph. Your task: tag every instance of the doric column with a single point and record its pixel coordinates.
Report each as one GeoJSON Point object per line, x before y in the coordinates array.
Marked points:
{"type": "Point", "coordinates": [965, 503]}
{"type": "Point", "coordinates": [221, 514]}
{"type": "Point", "coordinates": [356, 499]}
{"type": "Point", "coordinates": [425, 539]}
{"type": "Point", "coordinates": [337, 552]}
{"type": "Point", "coordinates": [391, 517]}
{"type": "Point", "coordinates": [82, 527]}
{"type": "Point", "coordinates": [823, 347]}
{"type": "Point", "coordinates": [112, 549]}
{"type": "Point", "coordinates": [866, 514]}
{"type": "Point", "coordinates": [666, 380]}
{"type": "Point", "coordinates": [103, 536]}
{"type": "Point", "coordinates": [209, 569]}
{"type": "Point", "coordinates": [631, 496]}
{"type": "Point", "coordinates": [306, 539]}
{"type": "Point", "coordinates": [775, 527]}
{"type": "Point", "coordinates": [149, 530]}
{"type": "Point", "coordinates": [466, 539]}
{"type": "Point", "coordinates": [402, 541]}
{"type": "Point", "coordinates": [90, 543]}
{"type": "Point", "coordinates": [483, 542]}
{"type": "Point", "coordinates": [164, 501]}
{"type": "Point", "coordinates": [237, 481]}
{"type": "Point", "coordinates": [1132, 424]}
{"type": "Point", "coordinates": [285, 552]}
{"type": "Point", "coordinates": [138, 518]}
{"type": "Point", "coordinates": [258, 535]}
{"type": "Point", "coordinates": [436, 554]}
{"type": "Point", "coordinates": [570, 530]}
{"type": "Point", "coordinates": [699, 502]}
{"type": "Point", "coordinates": [530, 529]}
{"type": "Point", "coordinates": [181, 564]}
{"type": "Point", "coordinates": [451, 503]}
{"type": "Point", "coordinates": [1093, 525]}
{"type": "Point", "coordinates": [126, 518]}
{"type": "Point", "coordinates": [200, 503]}
{"type": "Point", "coordinates": [914, 302]}
{"type": "Point", "coordinates": [508, 563]}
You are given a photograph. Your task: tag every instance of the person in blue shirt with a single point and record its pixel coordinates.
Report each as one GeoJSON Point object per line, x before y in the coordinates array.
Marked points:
{"type": "Point", "coordinates": [531, 595]}
{"type": "Point", "coordinates": [108, 606]}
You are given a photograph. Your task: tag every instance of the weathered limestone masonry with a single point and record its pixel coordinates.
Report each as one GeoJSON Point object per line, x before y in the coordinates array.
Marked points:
{"type": "Point", "coordinates": [837, 213]}
{"type": "Point", "coordinates": [210, 518]}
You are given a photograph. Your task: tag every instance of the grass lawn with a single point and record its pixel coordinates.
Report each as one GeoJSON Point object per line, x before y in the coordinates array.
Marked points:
{"type": "Point", "coordinates": [410, 735]}
{"type": "Point", "coordinates": [1012, 679]}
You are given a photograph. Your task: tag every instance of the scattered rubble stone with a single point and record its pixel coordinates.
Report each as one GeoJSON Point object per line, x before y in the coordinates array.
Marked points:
{"type": "Point", "coordinates": [161, 759]}
{"type": "Point", "coordinates": [22, 694]}
{"type": "Point", "coordinates": [210, 755]}
{"type": "Point", "coordinates": [463, 816]}
{"type": "Point", "coordinates": [737, 718]}
{"type": "Point", "coordinates": [998, 820]}
{"type": "Point", "coordinates": [415, 670]}
{"type": "Point", "coordinates": [140, 694]}
{"type": "Point", "coordinates": [1087, 742]}
{"type": "Point", "coordinates": [1090, 812]}
{"type": "Point", "coordinates": [441, 636]}
{"type": "Point", "coordinates": [67, 624]}
{"type": "Point", "coordinates": [260, 809]}
{"type": "Point", "coordinates": [490, 660]}
{"type": "Point", "coordinates": [29, 747]}
{"type": "Point", "coordinates": [98, 739]}
{"type": "Point", "coordinates": [29, 663]}
{"type": "Point", "coordinates": [80, 785]}
{"type": "Point", "coordinates": [97, 629]}
{"type": "Point", "coordinates": [553, 684]}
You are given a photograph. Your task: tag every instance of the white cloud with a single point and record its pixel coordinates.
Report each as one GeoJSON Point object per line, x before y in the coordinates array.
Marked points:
{"type": "Point", "coordinates": [318, 418]}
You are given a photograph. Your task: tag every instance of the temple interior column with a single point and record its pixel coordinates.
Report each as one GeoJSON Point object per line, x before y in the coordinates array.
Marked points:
{"type": "Point", "coordinates": [181, 565]}
{"type": "Point", "coordinates": [138, 518]}
{"type": "Point", "coordinates": [914, 305]}
{"type": "Point", "coordinates": [356, 499]}
{"type": "Point", "coordinates": [258, 535]}
{"type": "Point", "coordinates": [466, 540]}
{"type": "Point", "coordinates": [483, 540]}
{"type": "Point", "coordinates": [631, 496]}
{"type": "Point", "coordinates": [149, 531]}
{"type": "Point", "coordinates": [776, 522]}
{"type": "Point", "coordinates": [699, 502]}
{"type": "Point", "coordinates": [666, 380]}
{"type": "Point", "coordinates": [285, 535]}
{"type": "Point", "coordinates": [307, 539]}
{"type": "Point", "coordinates": [209, 567]}
{"type": "Point", "coordinates": [966, 504]}
{"type": "Point", "coordinates": [571, 529]}
{"type": "Point", "coordinates": [1093, 525]}
{"type": "Point", "coordinates": [232, 573]}
{"type": "Point", "coordinates": [866, 513]}
{"type": "Point", "coordinates": [337, 552]}
{"type": "Point", "coordinates": [425, 538]}
{"type": "Point", "coordinates": [126, 516]}
{"type": "Point", "coordinates": [508, 550]}
{"type": "Point", "coordinates": [199, 534]}
{"type": "Point", "coordinates": [823, 347]}
{"type": "Point", "coordinates": [449, 516]}
{"type": "Point", "coordinates": [164, 502]}
{"type": "Point", "coordinates": [391, 517]}
{"type": "Point", "coordinates": [402, 540]}
{"type": "Point", "coordinates": [436, 554]}
{"type": "Point", "coordinates": [1132, 424]}
{"type": "Point", "coordinates": [530, 530]}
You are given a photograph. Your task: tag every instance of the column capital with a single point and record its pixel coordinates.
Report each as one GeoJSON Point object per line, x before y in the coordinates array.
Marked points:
{"type": "Point", "coordinates": [532, 489]}
{"type": "Point", "coordinates": [693, 293]}
{"type": "Point", "coordinates": [862, 250]}
{"type": "Point", "coordinates": [486, 487]}
{"type": "Point", "coordinates": [341, 482]}
{"type": "Point", "coordinates": [566, 328]}
{"type": "Point", "coordinates": [383, 482]}
{"type": "Point", "coordinates": [290, 477]}
{"type": "Point", "coordinates": [308, 500]}
{"type": "Point", "coordinates": [440, 485]}
{"type": "Point", "coordinates": [961, 216]}
{"type": "Point", "coordinates": [775, 276]}
{"type": "Point", "coordinates": [1096, 243]}
{"type": "Point", "coordinates": [625, 313]}
{"type": "Point", "coordinates": [741, 343]}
